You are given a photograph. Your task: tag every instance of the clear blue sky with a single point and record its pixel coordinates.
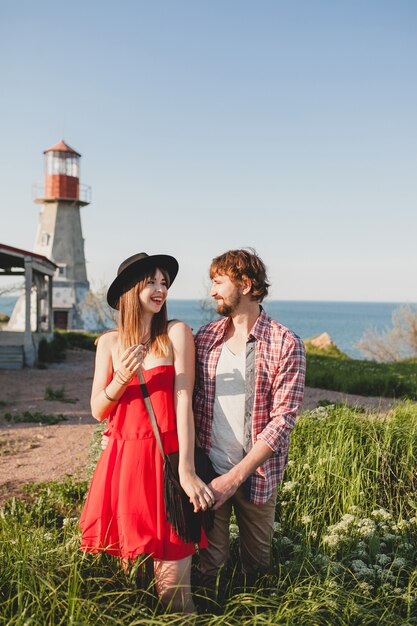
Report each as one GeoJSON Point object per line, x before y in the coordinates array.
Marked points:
{"type": "Point", "coordinates": [289, 126]}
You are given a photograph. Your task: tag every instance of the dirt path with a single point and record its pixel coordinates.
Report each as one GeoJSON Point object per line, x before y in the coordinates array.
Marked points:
{"type": "Point", "coordinates": [35, 453]}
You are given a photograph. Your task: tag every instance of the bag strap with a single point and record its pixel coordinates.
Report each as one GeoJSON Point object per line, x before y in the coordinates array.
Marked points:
{"type": "Point", "coordinates": [150, 411]}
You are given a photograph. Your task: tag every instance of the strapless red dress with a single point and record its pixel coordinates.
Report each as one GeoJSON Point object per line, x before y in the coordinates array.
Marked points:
{"type": "Point", "coordinates": [124, 513]}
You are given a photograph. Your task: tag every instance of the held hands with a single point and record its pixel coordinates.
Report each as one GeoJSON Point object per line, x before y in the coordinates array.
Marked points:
{"type": "Point", "coordinates": [200, 495]}
{"type": "Point", "coordinates": [223, 488]}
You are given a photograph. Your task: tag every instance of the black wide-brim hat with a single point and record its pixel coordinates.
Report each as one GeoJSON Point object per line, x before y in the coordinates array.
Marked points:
{"type": "Point", "coordinates": [136, 267]}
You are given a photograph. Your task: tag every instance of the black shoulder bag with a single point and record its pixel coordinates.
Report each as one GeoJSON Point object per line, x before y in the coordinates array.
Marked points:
{"type": "Point", "coordinates": [178, 508]}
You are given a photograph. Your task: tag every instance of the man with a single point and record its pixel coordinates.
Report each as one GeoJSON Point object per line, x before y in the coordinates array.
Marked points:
{"type": "Point", "coordinates": [249, 384]}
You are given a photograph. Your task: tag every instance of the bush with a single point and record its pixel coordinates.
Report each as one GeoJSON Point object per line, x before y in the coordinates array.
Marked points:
{"type": "Point", "coordinates": [55, 351]}
{"type": "Point", "coordinates": [78, 339]}
{"type": "Point", "coordinates": [52, 351]}
{"type": "Point", "coordinates": [392, 380]}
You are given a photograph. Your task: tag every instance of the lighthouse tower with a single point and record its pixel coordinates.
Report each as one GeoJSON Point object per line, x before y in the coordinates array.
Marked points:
{"type": "Point", "coordinates": [59, 236]}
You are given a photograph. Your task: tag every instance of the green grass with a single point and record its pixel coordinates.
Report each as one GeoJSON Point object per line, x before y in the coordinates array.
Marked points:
{"type": "Point", "coordinates": [34, 418]}
{"type": "Point", "coordinates": [339, 373]}
{"type": "Point", "coordinates": [58, 394]}
{"type": "Point", "coordinates": [344, 546]}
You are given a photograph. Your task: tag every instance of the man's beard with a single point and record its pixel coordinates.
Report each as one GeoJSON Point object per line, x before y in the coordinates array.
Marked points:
{"type": "Point", "coordinates": [228, 307]}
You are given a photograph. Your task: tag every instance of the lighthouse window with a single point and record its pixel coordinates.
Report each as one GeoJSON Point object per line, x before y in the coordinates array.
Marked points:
{"type": "Point", "coordinates": [61, 163]}
{"type": "Point", "coordinates": [62, 271]}
{"type": "Point", "coordinates": [46, 237]}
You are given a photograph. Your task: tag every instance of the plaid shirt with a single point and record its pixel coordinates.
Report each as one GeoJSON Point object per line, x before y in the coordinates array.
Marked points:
{"type": "Point", "coordinates": [275, 370]}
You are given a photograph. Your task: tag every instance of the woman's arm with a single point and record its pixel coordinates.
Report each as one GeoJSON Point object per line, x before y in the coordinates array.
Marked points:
{"type": "Point", "coordinates": [108, 387]}
{"type": "Point", "coordinates": [182, 342]}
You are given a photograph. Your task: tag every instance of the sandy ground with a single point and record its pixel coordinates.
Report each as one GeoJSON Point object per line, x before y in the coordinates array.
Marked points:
{"type": "Point", "coordinates": [35, 453]}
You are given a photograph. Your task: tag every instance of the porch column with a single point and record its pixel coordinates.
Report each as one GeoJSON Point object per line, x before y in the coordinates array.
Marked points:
{"type": "Point", "coordinates": [29, 348]}
{"type": "Point", "coordinates": [50, 309]}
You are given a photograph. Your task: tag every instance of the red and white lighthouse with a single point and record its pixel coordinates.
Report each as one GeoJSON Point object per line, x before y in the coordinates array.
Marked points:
{"type": "Point", "coordinates": [59, 236]}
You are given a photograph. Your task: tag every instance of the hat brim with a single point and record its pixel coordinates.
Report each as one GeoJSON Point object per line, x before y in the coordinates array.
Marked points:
{"type": "Point", "coordinates": [138, 270]}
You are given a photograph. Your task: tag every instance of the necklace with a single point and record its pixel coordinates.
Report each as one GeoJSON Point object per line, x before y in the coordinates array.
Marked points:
{"type": "Point", "coordinates": [146, 345]}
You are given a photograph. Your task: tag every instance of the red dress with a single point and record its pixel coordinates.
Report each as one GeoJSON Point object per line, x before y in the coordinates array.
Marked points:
{"type": "Point", "coordinates": [124, 513]}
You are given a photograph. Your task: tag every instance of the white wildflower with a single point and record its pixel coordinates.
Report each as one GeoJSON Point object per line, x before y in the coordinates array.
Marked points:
{"type": "Point", "coordinates": [321, 559]}
{"type": "Point", "coordinates": [354, 509]}
{"type": "Point", "coordinates": [289, 486]}
{"type": "Point", "coordinates": [285, 541]}
{"type": "Point", "coordinates": [331, 540]}
{"type": "Point", "coordinates": [365, 587]}
{"type": "Point", "coordinates": [306, 466]}
{"type": "Point", "coordinates": [306, 519]}
{"type": "Point", "coordinates": [277, 527]}
{"type": "Point", "coordinates": [366, 527]}
{"type": "Point", "coordinates": [362, 554]}
{"type": "Point", "coordinates": [381, 515]}
{"type": "Point", "coordinates": [382, 559]}
{"type": "Point", "coordinates": [361, 569]}
{"type": "Point", "coordinates": [398, 562]}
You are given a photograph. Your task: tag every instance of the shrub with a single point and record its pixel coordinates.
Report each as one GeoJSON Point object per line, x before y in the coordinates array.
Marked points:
{"type": "Point", "coordinates": [34, 418]}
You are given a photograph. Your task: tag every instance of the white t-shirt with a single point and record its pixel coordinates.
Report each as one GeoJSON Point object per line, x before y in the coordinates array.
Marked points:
{"type": "Point", "coordinates": [227, 435]}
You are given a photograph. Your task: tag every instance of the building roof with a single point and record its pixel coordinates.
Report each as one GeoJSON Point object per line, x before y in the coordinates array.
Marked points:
{"type": "Point", "coordinates": [62, 147]}
{"type": "Point", "coordinates": [15, 257]}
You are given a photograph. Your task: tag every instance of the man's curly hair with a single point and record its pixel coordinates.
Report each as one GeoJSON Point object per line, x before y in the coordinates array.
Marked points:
{"type": "Point", "coordinates": [243, 264]}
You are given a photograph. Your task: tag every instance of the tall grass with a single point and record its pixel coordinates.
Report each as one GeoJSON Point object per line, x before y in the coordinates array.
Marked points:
{"type": "Point", "coordinates": [395, 380]}
{"type": "Point", "coordinates": [344, 547]}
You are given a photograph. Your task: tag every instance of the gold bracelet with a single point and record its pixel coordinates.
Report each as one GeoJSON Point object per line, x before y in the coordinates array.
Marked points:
{"type": "Point", "coordinates": [123, 380]}
{"type": "Point", "coordinates": [108, 397]}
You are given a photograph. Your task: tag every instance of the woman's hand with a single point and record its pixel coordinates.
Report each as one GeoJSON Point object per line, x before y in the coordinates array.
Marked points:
{"type": "Point", "coordinates": [200, 495]}
{"type": "Point", "coordinates": [131, 360]}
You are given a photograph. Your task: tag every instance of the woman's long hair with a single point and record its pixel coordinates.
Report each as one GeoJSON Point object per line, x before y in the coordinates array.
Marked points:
{"type": "Point", "coordinates": [130, 322]}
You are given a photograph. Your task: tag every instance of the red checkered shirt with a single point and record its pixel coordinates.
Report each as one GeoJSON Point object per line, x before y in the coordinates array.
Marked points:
{"type": "Point", "coordinates": [275, 373]}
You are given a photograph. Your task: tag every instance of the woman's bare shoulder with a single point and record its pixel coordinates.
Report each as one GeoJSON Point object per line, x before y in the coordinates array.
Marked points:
{"type": "Point", "coordinates": [179, 332]}
{"type": "Point", "coordinates": [177, 326]}
{"type": "Point", "coordinates": [108, 339]}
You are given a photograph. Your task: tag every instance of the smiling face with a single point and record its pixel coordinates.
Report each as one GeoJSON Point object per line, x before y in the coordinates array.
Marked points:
{"type": "Point", "coordinates": [154, 293]}
{"type": "Point", "coordinates": [227, 294]}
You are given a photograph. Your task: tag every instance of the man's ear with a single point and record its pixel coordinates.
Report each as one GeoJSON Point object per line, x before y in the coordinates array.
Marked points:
{"type": "Point", "coordinates": [246, 285]}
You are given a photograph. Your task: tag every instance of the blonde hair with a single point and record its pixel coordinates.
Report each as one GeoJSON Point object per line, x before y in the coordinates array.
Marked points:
{"type": "Point", "coordinates": [130, 322]}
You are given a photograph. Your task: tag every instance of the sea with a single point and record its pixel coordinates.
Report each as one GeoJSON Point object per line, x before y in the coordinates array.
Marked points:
{"type": "Point", "coordinates": [345, 322]}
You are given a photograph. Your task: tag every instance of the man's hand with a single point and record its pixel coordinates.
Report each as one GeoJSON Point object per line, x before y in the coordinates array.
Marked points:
{"type": "Point", "coordinates": [104, 441]}
{"type": "Point", "coordinates": [224, 487]}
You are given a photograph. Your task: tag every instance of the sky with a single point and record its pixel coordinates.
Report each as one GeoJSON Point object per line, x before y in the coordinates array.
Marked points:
{"type": "Point", "coordinates": [204, 125]}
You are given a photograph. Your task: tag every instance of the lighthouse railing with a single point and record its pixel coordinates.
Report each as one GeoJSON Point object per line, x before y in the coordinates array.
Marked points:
{"type": "Point", "coordinates": [84, 193]}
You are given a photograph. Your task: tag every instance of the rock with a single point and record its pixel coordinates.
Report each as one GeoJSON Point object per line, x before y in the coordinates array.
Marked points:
{"type": "Point", "coordinates": [322, 341]}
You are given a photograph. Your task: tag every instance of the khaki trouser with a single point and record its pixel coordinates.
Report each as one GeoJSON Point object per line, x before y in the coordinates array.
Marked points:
{"type": "Point", "coordinates": [256, 527]}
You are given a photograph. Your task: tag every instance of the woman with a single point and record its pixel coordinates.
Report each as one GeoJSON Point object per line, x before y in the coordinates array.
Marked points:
{"type": "Point", "coordinates": [124, 514]}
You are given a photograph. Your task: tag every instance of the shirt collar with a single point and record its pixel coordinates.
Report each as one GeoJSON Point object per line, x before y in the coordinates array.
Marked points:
{"type": "Point", "coordinates": [257, 331]}
{"type": "Point", "coordinates": [260, 326]}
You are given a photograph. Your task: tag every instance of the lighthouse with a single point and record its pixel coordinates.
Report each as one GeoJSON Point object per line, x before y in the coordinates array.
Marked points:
{"type": "Point", "coordinates": [59, 238]}
{"type": "Point", "coordinates": [59, 235]}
